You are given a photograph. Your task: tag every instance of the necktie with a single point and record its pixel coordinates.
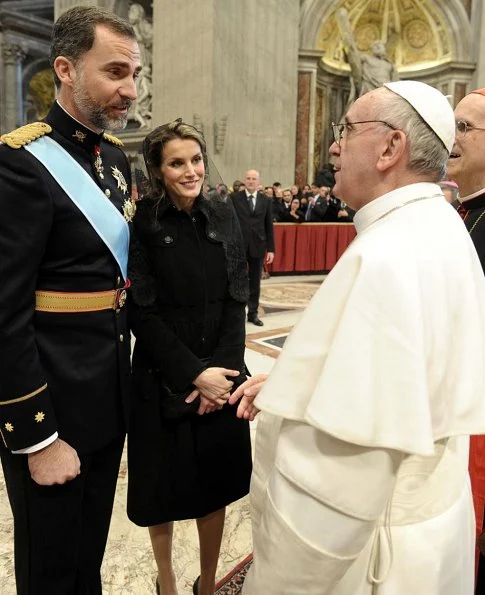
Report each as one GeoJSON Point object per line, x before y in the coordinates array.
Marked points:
{"type": "Point", "coordinates": [251, 203]}
{"type": "Point", "coordinates": [308, 214]}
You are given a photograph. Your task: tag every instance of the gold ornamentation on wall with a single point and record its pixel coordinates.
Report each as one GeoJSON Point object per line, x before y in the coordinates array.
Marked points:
{"type": "Point", "coordinates": [415, 33]}
{"type": "Point", "coordinates": [41, 95]}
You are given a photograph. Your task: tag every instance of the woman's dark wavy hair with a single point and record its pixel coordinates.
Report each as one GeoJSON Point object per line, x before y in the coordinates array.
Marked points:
{"type": "Point", "coordinates": [153, 151]}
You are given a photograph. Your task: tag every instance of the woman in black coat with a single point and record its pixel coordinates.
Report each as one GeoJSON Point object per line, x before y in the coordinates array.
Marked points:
{"type": "Point", "coordinates": [188, 454]}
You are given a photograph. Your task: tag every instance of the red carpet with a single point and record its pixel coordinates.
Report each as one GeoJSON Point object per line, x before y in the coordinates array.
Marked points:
{"type": "Point", "coordinates": [232, 583]}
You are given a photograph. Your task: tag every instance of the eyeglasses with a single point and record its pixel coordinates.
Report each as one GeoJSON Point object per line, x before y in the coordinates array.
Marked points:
{"type": "Point", "coordinates": [462, 127]}
{"type": "Point", "coordinates": [339, 129]}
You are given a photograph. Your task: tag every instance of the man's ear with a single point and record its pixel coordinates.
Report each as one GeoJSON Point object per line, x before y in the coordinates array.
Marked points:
{"type": "Point", "coordinates": [393, 151]}
{"type": "Point", "coordinates": [65, 70]}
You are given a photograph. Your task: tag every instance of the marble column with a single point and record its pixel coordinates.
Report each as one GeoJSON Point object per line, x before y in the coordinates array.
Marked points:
{"type": "Point", "coordinates": [12, 55]}
{"type": "Point", "coordinates": [306, 116]}
{"type": "Point", "coordinates": [232, 71]}
{"type": "Point", "coordinates": [479, 21]}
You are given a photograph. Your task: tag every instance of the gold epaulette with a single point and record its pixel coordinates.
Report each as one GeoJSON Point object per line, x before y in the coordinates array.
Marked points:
{"type": "Point", "coordinates": [25, 134]}
{"type": "Point", "coordinates": [113, 139]}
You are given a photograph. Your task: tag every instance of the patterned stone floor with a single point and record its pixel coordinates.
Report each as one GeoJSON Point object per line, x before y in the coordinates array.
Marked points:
{"type": "Point", "coordinates": [128, 567]}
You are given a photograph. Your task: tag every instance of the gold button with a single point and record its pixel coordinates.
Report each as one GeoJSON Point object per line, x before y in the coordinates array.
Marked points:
{"type": "Point", "coordinates": [121, 338]}
{"type": "Point", "coordinates": [107, 192]}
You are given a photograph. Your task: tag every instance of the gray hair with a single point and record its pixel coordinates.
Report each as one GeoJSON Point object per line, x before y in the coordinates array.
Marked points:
{"type": "Point", "coordinates": [427, 154]}
{"type": "Point", "coordinates": [74, 32]}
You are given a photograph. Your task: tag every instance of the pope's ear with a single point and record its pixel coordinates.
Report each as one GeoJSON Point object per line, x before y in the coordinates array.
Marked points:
{"type": "Point", "coordinates": [65, 70]}
{"type": "Point", "coordinates": [393, 151]}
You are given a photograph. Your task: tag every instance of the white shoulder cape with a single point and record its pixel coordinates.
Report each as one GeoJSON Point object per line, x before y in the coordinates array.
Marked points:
{"type": "Point", "coordinates": [391, 350]}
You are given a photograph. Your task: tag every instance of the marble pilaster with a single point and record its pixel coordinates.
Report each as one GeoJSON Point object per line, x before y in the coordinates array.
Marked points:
{"type": "Point", "coordinates": [302, 158]}
{"type": "Point", "coordinates": [308, 107]}
{"type": "Point", "coordinates": [12, 55]}
{"type": "Point", "coordinates": [233, 70]}
{"type": "Point", "coordinates": [479, 20]}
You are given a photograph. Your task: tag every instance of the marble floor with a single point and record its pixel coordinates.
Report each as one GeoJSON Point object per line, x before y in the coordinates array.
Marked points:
{"type": "Point", "coordinates": [128, 567]}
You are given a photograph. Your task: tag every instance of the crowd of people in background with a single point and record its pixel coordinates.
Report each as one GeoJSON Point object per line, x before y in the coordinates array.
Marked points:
{"type": "Point", "coordinates": [310, 203]}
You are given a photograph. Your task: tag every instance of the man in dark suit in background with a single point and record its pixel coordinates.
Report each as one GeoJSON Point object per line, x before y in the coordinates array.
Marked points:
{"type": "Point", "coordinates": [318, 206]}
{"type": "Point", "coordinates": [253, 210]}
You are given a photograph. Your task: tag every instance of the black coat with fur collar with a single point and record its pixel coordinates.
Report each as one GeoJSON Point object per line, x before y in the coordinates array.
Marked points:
{"type": "Point", "coordinates": [189, 289]}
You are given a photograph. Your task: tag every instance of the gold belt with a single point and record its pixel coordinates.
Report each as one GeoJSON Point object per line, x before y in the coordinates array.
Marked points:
{"type": "Point", "coordinates": [87, 301]}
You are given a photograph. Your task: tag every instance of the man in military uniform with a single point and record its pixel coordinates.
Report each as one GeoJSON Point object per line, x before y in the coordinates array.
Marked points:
{"type": "Point", "coordinates": [65, 197]}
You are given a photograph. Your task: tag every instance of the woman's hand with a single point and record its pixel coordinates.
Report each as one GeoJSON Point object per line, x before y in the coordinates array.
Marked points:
{"type": "Point", "coordinates": [247, 392]}
{"type": "Point", "coordinates": [213, 385]}
{"type": "Point", "coordinates": [207, 406]}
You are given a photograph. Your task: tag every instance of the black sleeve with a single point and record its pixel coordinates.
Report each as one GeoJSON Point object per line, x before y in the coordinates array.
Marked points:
{"type": "Point", "coordinates": [268, 223]}
{"type": "Point", "coordinates": [229, 352]}
{"type": "Point", "coordinates": [26, 412]}
{"type": "Point", "coordinates": [230, 349]}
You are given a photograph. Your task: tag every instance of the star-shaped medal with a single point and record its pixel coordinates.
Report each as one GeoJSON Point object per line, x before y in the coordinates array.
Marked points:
{"type": "Point", "coordinates": [120, 179]}
{"type": "Point", "coordinates": [9, 427]}
{"type": "Point", "coordinates": [129, 209]}
{"type": "Point", "coordinates": [39, 416]}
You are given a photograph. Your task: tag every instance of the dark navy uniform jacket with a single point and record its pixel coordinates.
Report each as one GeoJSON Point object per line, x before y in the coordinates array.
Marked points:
{"type": "Point", "coordinates": [59, 372]}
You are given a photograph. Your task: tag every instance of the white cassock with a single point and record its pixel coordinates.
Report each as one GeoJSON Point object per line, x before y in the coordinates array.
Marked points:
{"type": "Point", "coordinates": [360, 483]}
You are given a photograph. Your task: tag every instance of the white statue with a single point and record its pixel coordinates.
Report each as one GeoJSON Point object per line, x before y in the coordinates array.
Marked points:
{"type": "Point", "coordinates": [367, 71]}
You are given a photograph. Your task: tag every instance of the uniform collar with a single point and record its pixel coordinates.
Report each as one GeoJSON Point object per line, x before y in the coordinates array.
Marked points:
{"type": "Point", "coordinates": [71, 129]}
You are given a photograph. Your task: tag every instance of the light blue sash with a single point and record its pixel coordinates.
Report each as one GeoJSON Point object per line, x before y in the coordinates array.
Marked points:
{"type": "Point", "coordinates": [101, 213]}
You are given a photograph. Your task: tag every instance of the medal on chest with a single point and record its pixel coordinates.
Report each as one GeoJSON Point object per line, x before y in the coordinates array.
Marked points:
{"type": "Point", "coordinates": [129, 209]}
{"type": "Point", "coordinates": [120, 179]}
{"type": "Point", "coordinates": [98, 162]}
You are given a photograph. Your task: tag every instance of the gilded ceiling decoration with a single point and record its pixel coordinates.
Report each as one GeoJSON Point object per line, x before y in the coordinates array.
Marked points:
{"type": "Point", "coordinates": [414, 32]}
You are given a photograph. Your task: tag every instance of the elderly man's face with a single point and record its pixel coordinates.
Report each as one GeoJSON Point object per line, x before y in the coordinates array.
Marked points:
{"type": "Point", "coordinates": [466, 165]}
{"type": "Point", "coordinates": [357, 154]}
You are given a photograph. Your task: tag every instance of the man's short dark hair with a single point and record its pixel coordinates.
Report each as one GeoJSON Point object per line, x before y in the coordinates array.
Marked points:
{"type": "Point", "coordinates": [74, 32]}
{"type": "Point", "coordinates": [277, 184]}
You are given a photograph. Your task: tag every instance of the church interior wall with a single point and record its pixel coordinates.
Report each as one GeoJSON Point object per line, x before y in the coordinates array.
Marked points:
{"type": "Point", "coordinates": [251, 75]}
{"type": "Point", "coordinates": [452, 24]}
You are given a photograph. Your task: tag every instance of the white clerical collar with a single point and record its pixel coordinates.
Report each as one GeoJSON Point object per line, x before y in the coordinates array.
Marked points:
{"type": "Point", "coordinates": [463, 199]}
{"type": "Point", "coordinates": [381, 206]}
{"type": "Point", "coordinates": [76, 120]}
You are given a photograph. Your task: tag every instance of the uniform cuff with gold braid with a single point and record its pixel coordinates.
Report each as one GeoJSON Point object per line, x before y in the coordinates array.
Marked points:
{"type": "Point", "coordinates": [28, 419]}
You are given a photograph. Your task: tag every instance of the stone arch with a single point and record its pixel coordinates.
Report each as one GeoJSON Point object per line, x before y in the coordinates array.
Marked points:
{"type": "Point", "coordinates": [314, 12]}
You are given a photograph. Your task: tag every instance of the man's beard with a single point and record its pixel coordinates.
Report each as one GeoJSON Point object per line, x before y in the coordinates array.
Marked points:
{"type": "Point", "coordinates": [96, 113]}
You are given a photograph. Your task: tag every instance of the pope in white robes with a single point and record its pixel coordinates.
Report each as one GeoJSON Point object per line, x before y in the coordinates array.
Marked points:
{"type": "Point", "coordinates": [360, 483]}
